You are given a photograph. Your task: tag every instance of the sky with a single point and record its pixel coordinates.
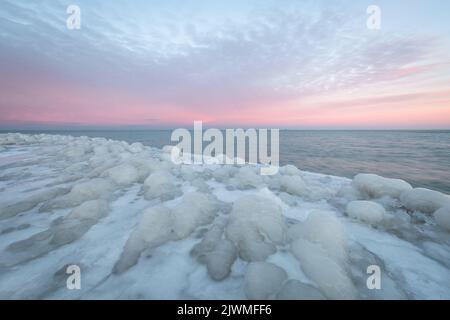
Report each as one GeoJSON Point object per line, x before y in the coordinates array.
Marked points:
{"type": "Point", "coordinates": [255, 63]}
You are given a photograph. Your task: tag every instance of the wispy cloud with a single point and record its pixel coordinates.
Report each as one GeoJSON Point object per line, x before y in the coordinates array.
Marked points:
{"type": "Point", "coordinates": [149, 63]}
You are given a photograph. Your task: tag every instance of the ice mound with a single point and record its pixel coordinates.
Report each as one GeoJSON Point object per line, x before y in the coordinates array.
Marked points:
{"type": "Point", "coordinates": [293, 185]}
{"type": "Point", "coordinates": [92, 209]}
{"type": "Point", "coordinates": [154, 228]}
{"type": "Point", "coordinates": [160, 184]}
{"type": "Point", "coordinates": [141, 226]}
{"type": "Point", "coordinates": [374, 186]}
{"type": "Point", "coordinates": [290, 170]}
{"type": "Point", "coordinates": [263, 280]}
{"type": "Point", "coordinates": [217, 253]}
{"type": "Point", "coordinates": [256, 226]}
{"type": "Point", "coordinates": [194, 210]}
{"type": "Point", "coordinates": [424, 200]}
{"type": "Point", "coordinates": [366, 211]}
{"type": "Point", "coordinates": [89, 190]}
{"type": "Point", "coordinates": [123, 174]}
{"type": "Point", "coordinates": [442, 217]}
{"type": "Point", "coordinates": [248, 177]}
{"type": "Point", "coordinates": [327, 273]}
{"type": "Point", "coordinates": [325, 229]}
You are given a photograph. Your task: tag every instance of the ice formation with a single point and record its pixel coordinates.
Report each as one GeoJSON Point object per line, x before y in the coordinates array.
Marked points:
{"type": "Point", "coordinates": [366, 211]}
{"type": "Point", "coordinates": [142, 227]}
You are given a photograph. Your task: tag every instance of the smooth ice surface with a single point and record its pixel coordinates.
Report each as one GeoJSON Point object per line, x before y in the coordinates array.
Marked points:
{"type": "Point", "coordinates": [142, 227]}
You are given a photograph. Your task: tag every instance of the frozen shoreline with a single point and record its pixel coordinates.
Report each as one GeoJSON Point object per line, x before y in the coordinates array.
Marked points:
{"type": "Point", "coordinates": [141, 227]}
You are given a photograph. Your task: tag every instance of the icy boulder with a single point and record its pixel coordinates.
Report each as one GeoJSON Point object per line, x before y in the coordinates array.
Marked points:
{"type": "Point", "coordinates": [293, 185]}
{"type": "Point", "coordinates": [92, 209]}
{"type": "Point", "coordinates": [96, 188]}
{"type": "Point", "coordinates": [329, 275]}
{"type": "Point", "coordinates": [160, 184]}
{"type": "Point", "coordinates": [425, 200]}
{"type": "Point", "coordinates": [123, 174]}
{"type": "Point", "coordinates": [220, 260]}
{"type": "Point", "coordinates": [154, 229]}
{"type": "Point", "coordinates": [136, 147]}
{"type": "Point", "coordinates": [195, 209]}
{"type": "Point", "coordinates": [296, 290]}
{"type": "Point", "coordinates": [290, 170]}
{"type": "Point", "coordinates": [217, 253]}
{"type": "Point", "coordinates": [322, 227]}
{"type": "Point", "coordinates": [374, 186]}
{"type": "Point", "coordinates": [263, 280]}
{"type": "Point", "coordinates": [256, 224]}
{"type": "Point", "coordinates": [442, 217]}
{"type": "Point", "coordinates": [366, 211]}
{"type": "Point", "coordinates": [248, 177]}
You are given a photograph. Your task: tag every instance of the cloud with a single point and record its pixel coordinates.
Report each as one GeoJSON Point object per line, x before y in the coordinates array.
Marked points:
{"type": "Point", "coordinates": [186, 61]}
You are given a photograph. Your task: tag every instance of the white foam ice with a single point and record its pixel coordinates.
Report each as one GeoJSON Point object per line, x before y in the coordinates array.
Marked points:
{"type": "Point", "coordinates": [142, 227]}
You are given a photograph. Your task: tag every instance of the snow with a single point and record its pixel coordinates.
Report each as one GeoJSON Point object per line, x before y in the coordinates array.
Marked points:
{"type": "Point", "coordinates": [366, 211]}
{"type": "Point", "coordinates": [142, 227]}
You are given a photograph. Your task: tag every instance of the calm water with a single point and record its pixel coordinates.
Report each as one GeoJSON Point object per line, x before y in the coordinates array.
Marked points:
{"type": "Point", "coordinates": [420, 157]}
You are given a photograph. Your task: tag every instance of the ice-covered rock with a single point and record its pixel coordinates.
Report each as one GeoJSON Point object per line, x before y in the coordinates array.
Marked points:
{"type": "Point", "coordinates": [97, 188]}
{"type": "Point", "coordinates": [256, 224]}
{"type": "Point", "coordinates": [263, 280]}
{"type": "Point", "coordinates": [290, 170]}
{"type": "Point", "coordinates": [374, 186]}
{"type": "Point", "coordinates": [425, 200]}
{"type": "Point", "coordinates": [220, 260]}
{"type": "Point", "coordinates": [92, 209]}
{"type": "Point", "coordinates": [194, 210]}
{"type": "Point", "coordinates": [322, 227]}
{"type": "Point", "coordinates": [366, 211]}
{"type": "Point", "coordinates": [442, 217]}
{"type": "Point", "coordinates": [248, 177]}
{"type": "Point", "coordinates": [154, 228]}
{"type": "Point", "coordinates": [329, 275]}
{"type": "Point", "coordinates": [123, 174]}
{"type": "Point", "coordinates": [160, 184]}
{"type": "Point", "coordinates": [293, 185]}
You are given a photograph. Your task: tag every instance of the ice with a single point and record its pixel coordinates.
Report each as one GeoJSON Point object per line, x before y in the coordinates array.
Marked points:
{"type": "Point", "coordinates": [160, 184]}
{"type": "Point", "coordinates": [374, 186]}
{"type": "Point", "coordinates": [293, 185]}
{"type": "Point", "coordinates": [248, 178]}
{"type": "Point", "coordinates": [325, 229]}
{"type": "Point", "coordinates": [124, 174]}
{"type": "Point", "coordinates": [290, 170]}
{"type": "Point", "coordinates": [220, 260]}
{"type": "Point", "coordinates": [442, 217]}
{"type": "Point", "coordinates": [194, 210]}
{"type": "Point", "coordinates": [93, 209]}
{"type": "Point", "coordinates": [263, 280]}
{"type": "Point", "coordinates": [366, 211]}
{"type": "Point", "coordinates": [328, 274]}
{"type": "Point", "coordinates": [424, 200]}
{"type": "Point", "coordinates": [256, 226]}
{"type": "Point", "coordinates": [154, 228]}
{"type": "Point", "coordinates": [142, 227]}
{"type": "Point", "coordinates": [89, 190]}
